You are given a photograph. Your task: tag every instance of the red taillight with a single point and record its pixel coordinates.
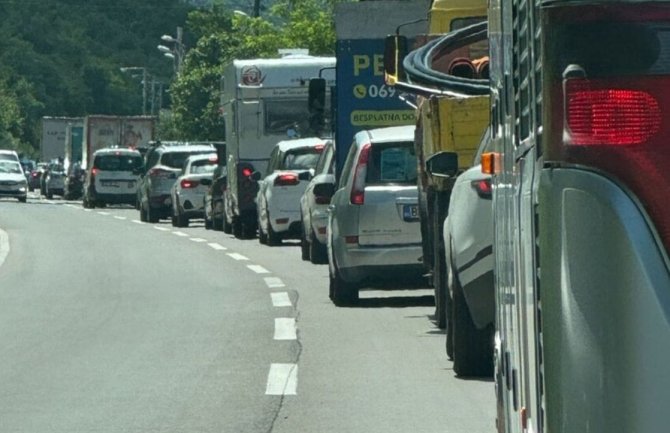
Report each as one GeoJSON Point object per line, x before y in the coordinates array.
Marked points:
{"type": "Point", "coordinates": [286, 179]}
{"type": "Point", "coordinates": [599, 113]}
{"type": "Point", "coordinates": [358, 189]}
{"type": "Point", "coordinates": [95, 171]}
{"type": "Point", "coordinates": [246, 172]}
{"type": "Point", "coordinates": [483, 187]}
{"type": "Point", "coordinates": [351, 240]}
{"type": "Point", "coordinates": [319, 148]}
{"type": "Point", "coordinates": [186, 183]}
{"type": "Point", "coordinates": [33, 174]}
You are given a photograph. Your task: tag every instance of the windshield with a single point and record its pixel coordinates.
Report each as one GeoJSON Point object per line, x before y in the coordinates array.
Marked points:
{"type": "Point", "coordinates": [177, 159]}
{"type": "Point", "coordinates": [118, 162]}
{"type": "Point", "coordinates": [203, 167]}
{"type": "Point", "coordinates": [10, 167]}
{"type": "Point", "coordinates": [301, 160]}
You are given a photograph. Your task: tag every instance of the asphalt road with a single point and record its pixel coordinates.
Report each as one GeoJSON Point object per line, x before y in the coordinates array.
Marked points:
{"type": "Point", "coordinates": [112, 325]}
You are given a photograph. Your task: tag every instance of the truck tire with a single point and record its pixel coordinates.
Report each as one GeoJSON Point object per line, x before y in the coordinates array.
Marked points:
{"type": "Point", "coordinates": [473, 348]}
{"type": "Point", "coordinates": [439, 266]}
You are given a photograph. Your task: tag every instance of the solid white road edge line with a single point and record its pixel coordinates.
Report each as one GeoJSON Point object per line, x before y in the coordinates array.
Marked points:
{"type": "Point", "coordinates": [272, 282]}
{"type": "Point", "coordinates": [285, 329]}
{"type": "Point", "coordinates": [258, 269]}
{"type": "Point", "coordinates": [4, 246]}
{"type": "Point", "coordinates": [282, 379]}
{"type": "Point", "coordinates": [281, 299]}
{"type": "Point", "coordinates": [216, 246]}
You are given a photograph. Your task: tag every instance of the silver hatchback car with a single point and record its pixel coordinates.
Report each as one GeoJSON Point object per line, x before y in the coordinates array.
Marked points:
{"type": "Point", "coordinates": [373, 220]}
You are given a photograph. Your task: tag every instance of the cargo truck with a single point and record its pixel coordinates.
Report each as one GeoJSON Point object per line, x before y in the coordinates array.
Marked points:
{"type": "Point", "coordinates": [450, 124]}
{"type": "Point", "coordinates": [54, 131]}
{"type": "Point", "coordinates": [101, 131]}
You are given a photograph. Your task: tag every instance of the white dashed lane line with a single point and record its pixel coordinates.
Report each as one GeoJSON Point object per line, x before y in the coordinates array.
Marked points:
{"type": "Point", "coordinates": [181, 234]}
{"type": "Point", "coordinates": [237, 256]}
{"type": "Point", "coordinates": [280, 299]}
{"type": "Point", "coordinates": [258, 269]}
{"type": "Point", "coordinates": [137, 222]}
{"type": "Point", "coordinates": [199, 240]}
{"type": "Point", "coordinates": [88, 210]}
{"type": "Point", "coordinates": [216, 246]}
{"type": "Point", "coordinates": [285, 329]}
{"type": "Point", "coordinates": [163, 229]}
{"type": "Point", "coordinates": [282, 379]}
{"type": "Point", "coordinates": [103, 213]}
{"type": "Point", "coordinates": [120, 217]}
{"type": "Point", "coordinates": [273, 282]}
{"type": "Point", "coordinates": [4, 246]}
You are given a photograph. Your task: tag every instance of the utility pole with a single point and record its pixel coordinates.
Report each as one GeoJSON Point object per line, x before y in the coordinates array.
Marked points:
{"type": "Point", "coordinates": [257, 9]}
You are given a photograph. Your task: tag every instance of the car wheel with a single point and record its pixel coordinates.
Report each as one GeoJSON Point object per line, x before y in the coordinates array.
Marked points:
{"type": "Point", "coordinates": [23, 199]}
{"type": "Point", "coordinates": [217, 223]}
{"type": "Point", "coordinates": [318, 252]}
{"type": "Point", "coordinates": [152, 215]}
{"type": "Point", "coordinates": [208, 224]}
{"type": "Point", "coordinates": [341, 292]}
{"type": "Point", "coordinates": [143, 214]}
{"type": "Point", "coordinates": [473, 348]}
{"type": "Point", "coordinates": [274, 238]}
{"type": "Point", "coordinates": [237, 228]}
{"type": "Point", "coordinates": [182, 220]}
{"type": "Point", "coordinates": [173, 220]}
{"type": "Point", "coordinates": [262, 236]}
{"type": "Point", "coordinates": [49, 195]}
{"type": "Point", "coordinates": [226, 227]}
{"type": "Point", "coordinates": [304, 245]}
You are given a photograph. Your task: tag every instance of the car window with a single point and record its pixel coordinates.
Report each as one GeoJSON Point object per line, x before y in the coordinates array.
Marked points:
{"type": "Point", "coordinates": [202, 167]}
{"type": "Point", "coordinates": [302, 159]}
{"type": "Point", "coordinates": [325, 160]}
{"type": "Point", "coordinates": [113, 162]}
{"type": "Point", "coordinates": [7, 166]}
{"type": "Point", "coordinates": [391, 163]}
{"type": "Point", "coordinates": [176, 159]}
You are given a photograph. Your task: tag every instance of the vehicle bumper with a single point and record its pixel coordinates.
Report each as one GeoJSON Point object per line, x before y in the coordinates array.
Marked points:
{"type": "Point", "coordinates": [285, 222]}
{"type": "Point", "coordinates": [320, 225]}
{"type": "Point", "coordinates": [160, 202]}
{"type": "Point", "coordinates": [14, 193]}
{"type": "Point", "coordinates": [117, 198]}
{"type": "Point", "coordinates": [357, 263]}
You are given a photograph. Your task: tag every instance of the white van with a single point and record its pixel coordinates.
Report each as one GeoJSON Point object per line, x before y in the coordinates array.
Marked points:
{"type": "Point", "coordinates": [113, 177]}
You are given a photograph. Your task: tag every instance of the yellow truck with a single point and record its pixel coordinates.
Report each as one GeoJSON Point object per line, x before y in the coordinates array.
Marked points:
{"type": "Point", "coordinates": [449, 124]}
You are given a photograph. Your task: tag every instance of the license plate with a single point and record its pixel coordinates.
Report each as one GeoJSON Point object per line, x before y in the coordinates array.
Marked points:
{"type": "Point", "coordinates": [410, 212]}
{"type": "Point", "coordinates": [110, 184]}
{"type": "Point", "coordinates": [131, 184]}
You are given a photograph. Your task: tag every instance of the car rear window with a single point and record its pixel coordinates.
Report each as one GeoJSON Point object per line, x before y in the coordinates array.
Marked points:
{"type": "Point", "coordinates": [301, 160]}
{"type": "Point", "coordinates": [118, 162]}
{"type": "Point", "coordinates": [176, 159]}
{"type": "Point", "coordinates": [391, 163]}
{"type": "Point", "coordinates": [203, 167]}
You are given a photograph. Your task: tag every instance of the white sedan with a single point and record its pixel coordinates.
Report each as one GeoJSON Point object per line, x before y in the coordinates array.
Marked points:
{"type": "Point", "coordinates": [291, 165]}
{"type": "Point", "coordinates": [188, 191]}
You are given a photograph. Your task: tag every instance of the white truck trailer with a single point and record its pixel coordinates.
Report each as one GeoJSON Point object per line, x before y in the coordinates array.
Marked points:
{"type": "Point", "coordinates": [54, 129]}
{"type": "Point", "coordinates": [263, 102]}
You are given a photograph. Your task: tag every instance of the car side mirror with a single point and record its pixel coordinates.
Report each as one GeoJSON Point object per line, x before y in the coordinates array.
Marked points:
{"type": "Point", "coordinates": [443, 164]}
{"type": "Point", "coordinates": [256, 175]}
{"type": "Point", "coordinates": [206, 182]}
{"type": "Point", "coordinates": [305, 175]}
{"type": "Point", "coordinates": [323, 192]}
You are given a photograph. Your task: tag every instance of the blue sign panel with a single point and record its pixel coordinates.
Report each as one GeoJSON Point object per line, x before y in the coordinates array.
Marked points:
{"type": "Point", "coordinates": [364, 101]}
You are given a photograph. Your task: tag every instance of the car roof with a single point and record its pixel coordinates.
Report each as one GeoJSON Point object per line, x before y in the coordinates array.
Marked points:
{"type": "Point", "coordinates": [9, 152]}
{"type": "Point", "coordinates": [202, 156]}
{"type": "Point", "coordinates": [186, 148]}
{"type": "Point", "coordinates": [389, 134]}
{"type": "Point", "coordinates": [115, 150]}
{"type": "Point", "coordinates": [300, 142]}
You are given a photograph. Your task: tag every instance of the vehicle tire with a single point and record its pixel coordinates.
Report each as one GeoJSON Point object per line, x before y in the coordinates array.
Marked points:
{"type": "Point", "coordinates": [208, 224]}
{"type": "Point", "coordinates": [274, 238]}
{"type": "Point", "coordinates": [217, 223]}
{"type": "Point", "coordinates": [473, 348]}
{"type": "Point", "coordinates": [304, 245]}
{"type": "Point", "coordinates": [226, 227]}
{"type": "Point", "coordinates": [341, 292]}
{"type": "Point", "coordinates": [49, 195]}
{"type": "Point", "coordinates": [23, 199]}
{"type": "Point", "coordinates": [439, 265]}
{"type": "Point", "coordinates": [249, 230]}
{"type": "Point", "coordinates": [318, 252]}
{"type": "Point", "coordinates": [143, 214]}
{"type": "Point", "coordinates": [182, 220]}
{"type": "Point", "coordinates": [262, 236]}
{"type": "Point", "coordinates": [237, 228]}
{"type": "Point", "coordinates": [173, 220]}
{"type": "Point", "coordinates": [152, 215]}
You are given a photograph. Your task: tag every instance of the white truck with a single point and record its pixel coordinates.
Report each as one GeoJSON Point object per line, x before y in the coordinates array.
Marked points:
{"type": "Point", "coordinates": [52, 145]}
{"type": "Point", "coordinates": [101, 131]}
{"type": "Point", "coordinates": [263, 102]}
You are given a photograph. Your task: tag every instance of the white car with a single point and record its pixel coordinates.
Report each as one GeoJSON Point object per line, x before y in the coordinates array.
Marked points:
{"type": "Point", "coordinates": [468, 300]}
{"type": "Point", "coordinates": [13, 181]}
{"type": "Point", "coordinates": [314, 207]}
{"type": "Point", "coordinates": [278, 200]}
{"type": "Point", "coordinates": [113, 178]}
{"type": "Point", "coordinates": [373, 219]}
{"type": "Point", "coordinates": [188, 192]}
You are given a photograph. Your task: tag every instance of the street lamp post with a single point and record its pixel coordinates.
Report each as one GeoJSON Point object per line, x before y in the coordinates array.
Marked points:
{"type": "Point", "coordinates": [177, 52]}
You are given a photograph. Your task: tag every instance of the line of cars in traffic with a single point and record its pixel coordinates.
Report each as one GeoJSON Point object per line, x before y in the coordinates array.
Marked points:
{"type": "Point", "coordinates": [363, 223]}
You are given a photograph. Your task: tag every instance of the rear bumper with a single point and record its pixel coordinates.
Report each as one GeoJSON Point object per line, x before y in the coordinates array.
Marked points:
{"type": "Point", "coordinates": [359, 263]}
{"type": "Point", "coordinates": [117, 198]}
